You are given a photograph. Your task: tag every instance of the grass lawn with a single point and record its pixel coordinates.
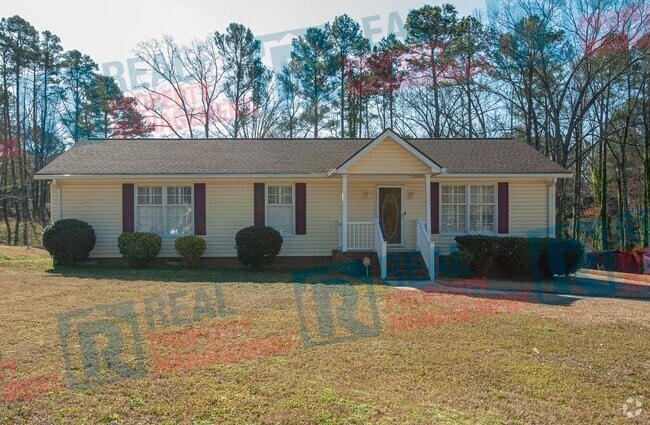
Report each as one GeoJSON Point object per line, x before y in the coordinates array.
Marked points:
{"type": "Point", "coordinates": [473, 360]}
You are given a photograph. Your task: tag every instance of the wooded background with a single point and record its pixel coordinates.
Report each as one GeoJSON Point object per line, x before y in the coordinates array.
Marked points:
{"type": "Point", "coordinates": [569, 78]}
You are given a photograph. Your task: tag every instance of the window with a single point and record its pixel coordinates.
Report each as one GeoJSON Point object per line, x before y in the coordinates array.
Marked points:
{"type": "Point", "coordinates": [150, 209]}
{"type": "Point", "coordinates": [279, 209]}
{"type": "Point", "coordinates": [481, 208]}
{"type": "Point", "coordinates": [165, 210]}
{"type": "Point", "coordinates": [452, 208]}
{"type": "Point", "coordinates": [467, 209]}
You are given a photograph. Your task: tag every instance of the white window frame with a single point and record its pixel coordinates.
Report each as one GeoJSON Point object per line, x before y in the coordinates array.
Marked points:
{"type": "Point", "coordinates": [468, 204]}
{"type": "Point", "coordinates": [293, 207]}
{"type": "Point", "coordinates": [494, 205]}
{"type": "Point", "coordinates": [164, 208]}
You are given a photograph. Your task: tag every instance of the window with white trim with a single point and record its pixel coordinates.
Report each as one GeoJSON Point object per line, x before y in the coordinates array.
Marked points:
{"type": "Point", "coordinates": [467, 209]}
{"type": "Point", "coordinates": [453, 202]}
{"type": "Point", "coordinates": [165, 210]}
{"type": "Point", "coordinates": [280, 208]}
{"type": "Point", "coordinates": [481, 208]}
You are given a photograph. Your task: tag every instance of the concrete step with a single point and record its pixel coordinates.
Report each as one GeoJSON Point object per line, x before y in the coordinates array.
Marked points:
{"type": "Point", "coordinates": [406, 266]}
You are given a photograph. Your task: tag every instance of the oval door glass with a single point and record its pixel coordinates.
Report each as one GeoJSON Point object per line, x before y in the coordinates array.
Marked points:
{"type": "Point", "coordinates": [390, 214]}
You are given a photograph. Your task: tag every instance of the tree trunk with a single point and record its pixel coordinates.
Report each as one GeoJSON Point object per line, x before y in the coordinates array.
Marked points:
{"type": "Point", "coordinates": [6, 192]}
{"type": "Point", "coordinates": [604, 228]}
{"type": "Point", "coordinates": [577, 184]}
{"type": "Point", "coordinates": [646, 192]}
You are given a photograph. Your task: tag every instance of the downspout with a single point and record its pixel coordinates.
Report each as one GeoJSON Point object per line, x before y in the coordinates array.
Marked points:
{"type": "Point", "coordinates": [59, 208]}
{"type": "Point", "coordinates": [551, 208]}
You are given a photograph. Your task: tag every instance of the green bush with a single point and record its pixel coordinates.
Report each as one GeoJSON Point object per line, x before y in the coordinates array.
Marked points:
{"type": "Point", "coordinates": [520, 257]}
{"type": "Point", "coordinates": [190, 248]}
{"type": "Point", "coordinates": [456, 264]}
{"type": "Point", "coordinates": [514, 257]}
{"type": "Point", "coordinates": [257, 246]}
{"type": "Point", "coordinates": [481, 252]}
{"type": "Point", "coordinates": [139, 248]}
{"type": "Point", "coordinates": [69, 241]}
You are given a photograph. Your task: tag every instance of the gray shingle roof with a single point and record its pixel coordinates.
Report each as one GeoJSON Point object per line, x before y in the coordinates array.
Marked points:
{"type": "Point", "coordinates": [282, 156]}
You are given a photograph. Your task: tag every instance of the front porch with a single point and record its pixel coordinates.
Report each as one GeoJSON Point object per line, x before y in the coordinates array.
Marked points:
{"type": "Point", "coordinates": [394, 262]}
{"type": "Point", "coordinates": [386, 200]}
{"type": "Point", "coordinates": [386, 215]}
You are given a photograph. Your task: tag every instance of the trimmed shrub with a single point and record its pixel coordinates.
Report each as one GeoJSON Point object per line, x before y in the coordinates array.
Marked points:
{"type": "Point", "coordinates": [481, 252]}
{"type": "Point", "coordinates": [139, 248]}
{"type": "Point", "coordinates": [514, 257]}
{"type": "Point", "coordinates": [69, 241]}
{"type": "Point", "coordinates": [456, 264]}
{"type": "Point", "coordinates": [257, 246]}
{"type": "Point", "coordinates": [190, 248]}
{"type": "Point", "coordinates": [520, 257]}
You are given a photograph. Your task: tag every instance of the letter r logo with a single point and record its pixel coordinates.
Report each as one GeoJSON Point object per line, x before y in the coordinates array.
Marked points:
{"type": "Point", "coordinates": [101, 345]}
{"type": "Point", "coordinates": [332, 310]}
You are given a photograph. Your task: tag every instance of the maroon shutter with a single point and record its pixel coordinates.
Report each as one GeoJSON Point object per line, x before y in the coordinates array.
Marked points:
{"type": "Point", "coordinates": [128, 205]}
{"type": "Point", "coordinates": [435, 207]}
{"type": "Point", "coordinates": [258, 204]}
{"type": "Point", "coordinates": [504, 215]}
{"type": "Point", "coordinates": [199, 209]}
{"type": "Point", "coordinates": [301, 208]}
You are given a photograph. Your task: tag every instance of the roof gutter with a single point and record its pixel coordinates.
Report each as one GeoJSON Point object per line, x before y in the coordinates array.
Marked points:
{"type": "Point", "coordinates": [174, 176]}
{"type": "Point", "coordinates": [443, 175]}
{"type": "Point", "coordinates": [506, 175]}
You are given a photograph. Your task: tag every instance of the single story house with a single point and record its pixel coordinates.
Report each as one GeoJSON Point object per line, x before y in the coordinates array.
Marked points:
{"type": "Point", "coordinates": [327, 197]}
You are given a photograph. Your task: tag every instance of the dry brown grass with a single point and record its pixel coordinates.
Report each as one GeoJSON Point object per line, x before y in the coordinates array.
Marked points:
{"type": "Point", "coordinates": [573, 362]}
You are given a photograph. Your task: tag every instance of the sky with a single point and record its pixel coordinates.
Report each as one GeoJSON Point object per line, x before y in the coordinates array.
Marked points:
{"type": "Point", "coordinates": [108, 30]}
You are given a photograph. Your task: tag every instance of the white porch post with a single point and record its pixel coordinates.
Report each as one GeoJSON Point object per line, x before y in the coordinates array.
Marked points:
{"type": "Point", "coordinates": [427, 199]}
{"type": "Point", "coordinates": [344, 232]}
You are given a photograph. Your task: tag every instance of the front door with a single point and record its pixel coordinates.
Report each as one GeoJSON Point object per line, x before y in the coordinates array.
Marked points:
{"type": "Point", "coordinates": [390, 214]}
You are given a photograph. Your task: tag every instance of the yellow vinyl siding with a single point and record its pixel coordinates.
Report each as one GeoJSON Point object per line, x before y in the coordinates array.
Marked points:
{"type": "Point", "coordinates": [100, 205]}
{"type": "Point", "coordinates": [324, 209]}
{"type": "Point", "coordinates": [529, 209]}
{"type": "Point", "coordinates": [229, 208]}
{"type": "Point", "coordinates": [388, 158]}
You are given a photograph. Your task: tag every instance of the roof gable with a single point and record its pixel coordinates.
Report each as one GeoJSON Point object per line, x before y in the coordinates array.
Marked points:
{"type": "Point", "coordinates": [375, 158]}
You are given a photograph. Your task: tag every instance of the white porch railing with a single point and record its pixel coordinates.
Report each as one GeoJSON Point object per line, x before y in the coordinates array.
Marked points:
{"type": "Point", "coordinates": [380, 249]}
{"type": "Point", "coordinates": [366, 236]}
{"type": "Point", "coordinates": [361, 235]}
{"type": "Point", "coordinates": [425, 246]}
